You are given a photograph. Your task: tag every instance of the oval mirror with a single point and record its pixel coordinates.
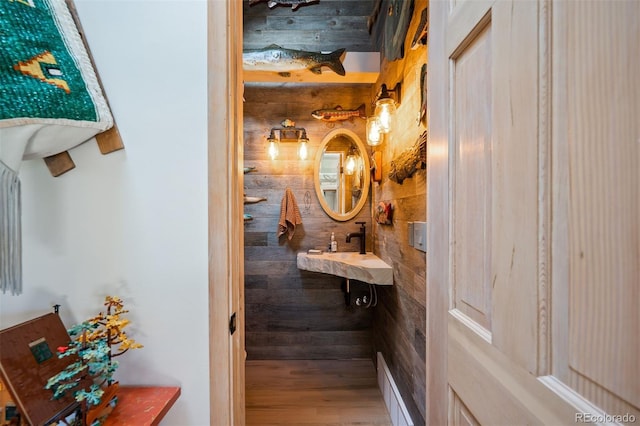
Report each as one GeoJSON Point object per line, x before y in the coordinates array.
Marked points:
{"type": "Point", "coordinates": [341, 174]}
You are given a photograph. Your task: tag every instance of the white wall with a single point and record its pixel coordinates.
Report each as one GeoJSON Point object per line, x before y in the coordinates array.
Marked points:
{"type": "Point", "coordinates": [133, 223]}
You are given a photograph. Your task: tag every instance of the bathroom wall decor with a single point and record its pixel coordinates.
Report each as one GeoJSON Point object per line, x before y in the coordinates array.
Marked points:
{"type": "Point", "coordinates": [339, 114]}
{"type": "Point", "coordinates": [376, 166]}
{"type": "Point", "coordinates": [251, 200]}
{"type": "Point", "coordinates": [420, 36]}
{"type": "Point", "coordinates": [406, 164]}
{"type": "Point", "coordinates": [284, 61]}
{"type": "Point", "coordinates": [383, 213]}
{"type": "Point", "coordinates": [397, 20]}
{"type": "Point", "coordinates": [423, 94]}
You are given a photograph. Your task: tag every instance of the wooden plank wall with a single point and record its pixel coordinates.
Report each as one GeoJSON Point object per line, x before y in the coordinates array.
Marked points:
{"type": "Point", "coordinates": [324, 26]}
{"type": "Point", "coordinates": [399, 318]}
{"type": "Point", "coordinates": [293, 314]}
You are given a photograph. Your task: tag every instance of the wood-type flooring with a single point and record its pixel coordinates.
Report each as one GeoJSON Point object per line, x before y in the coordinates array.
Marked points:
{"type": "Point", "coordinates": [313, 393]}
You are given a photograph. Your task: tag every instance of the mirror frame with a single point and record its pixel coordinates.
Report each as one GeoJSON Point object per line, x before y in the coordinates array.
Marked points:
{"type": "Point", "coordinates": [367, 175]}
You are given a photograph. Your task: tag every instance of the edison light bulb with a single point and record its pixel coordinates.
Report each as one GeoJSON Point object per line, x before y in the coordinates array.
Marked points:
{"type": "Point", "coordinates": [302, 150]}
{"type": "Point", "coordinates": [385, 110]}
{"type": "Point", "coordinates": [273, 149]}
{"type": "Point", "coordinates": [374, 135]}
{"type": "Point", "coordinates": [350, 164]}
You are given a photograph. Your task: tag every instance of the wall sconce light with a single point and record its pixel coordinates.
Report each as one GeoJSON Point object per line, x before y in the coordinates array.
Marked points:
{"type": "Point", "coordinates": [288, 133]}
{"type": "Point", "coordinates": [386, 106]}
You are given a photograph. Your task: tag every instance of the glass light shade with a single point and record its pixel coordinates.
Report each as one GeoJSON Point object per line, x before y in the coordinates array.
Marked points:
{"type": "Point", "coordinates": [350, 164]}
{"type": "Point", "coordinates": [385, 111]}
{"type": "Point", "coordinates": [374, 135]}
{"type": "Point", "coordinates": [303, 152]}
{"type": "Point", "coordinates": [273, 148]}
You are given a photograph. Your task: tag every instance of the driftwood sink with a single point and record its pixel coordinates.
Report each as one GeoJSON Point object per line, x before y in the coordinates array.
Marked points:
{"type": "Point", "coordinates": [367, 268]}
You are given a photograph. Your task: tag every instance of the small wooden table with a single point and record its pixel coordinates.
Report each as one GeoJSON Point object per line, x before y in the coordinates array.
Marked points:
{"type": "Point", "coordinates": [142, 405]}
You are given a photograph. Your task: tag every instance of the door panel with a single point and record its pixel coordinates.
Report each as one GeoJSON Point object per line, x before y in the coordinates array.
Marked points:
{"type": "Point", "coordinates": [461, 414]}
{"type": "Point", "coordinates": [471, 123]}
{"type": "Point", "coordinates": [602, 153]}
{"type": "Point", "coordinates": [494, 388]}
{"type": "Point", "coordinates": [602, 275]}
{"type": "Point", "coordinates": [517, 271]}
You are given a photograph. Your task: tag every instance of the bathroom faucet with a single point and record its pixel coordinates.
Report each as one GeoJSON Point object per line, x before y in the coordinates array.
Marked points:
{"type": "Point", "coordinates": [362, 235]}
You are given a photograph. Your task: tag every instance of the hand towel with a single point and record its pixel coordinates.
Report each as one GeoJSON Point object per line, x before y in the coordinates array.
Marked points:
{"type": "Point", "coordinates": [289, 215]}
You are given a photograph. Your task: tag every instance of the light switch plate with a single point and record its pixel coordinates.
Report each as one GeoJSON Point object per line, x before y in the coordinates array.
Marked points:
{"type": "Point", "coordinates": [420, 236]}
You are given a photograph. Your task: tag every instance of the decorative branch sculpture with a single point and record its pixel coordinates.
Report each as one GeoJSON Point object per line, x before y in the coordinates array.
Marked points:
{"type": "Point", "coordinates": [110, 327]}
{"type": "Point", "coordinates": [406, 164]}
{"type": "Point", "coordinates": [92, 343]}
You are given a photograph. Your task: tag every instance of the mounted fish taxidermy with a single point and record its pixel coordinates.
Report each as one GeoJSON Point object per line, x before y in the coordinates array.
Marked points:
{"type": "Point", "coordinates": [295, 4]}
{"type": "Point", "coordinates": [253, 200]}
{"type": "Point", "coordinates": [339, 114]}
{"type": "Point", "coordinates": [420, 36]}
{"type": "Point", "coordinates": [284, 61]}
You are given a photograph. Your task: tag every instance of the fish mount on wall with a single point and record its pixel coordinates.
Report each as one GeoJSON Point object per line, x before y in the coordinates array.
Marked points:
{"type": "Point", "coordinates": [406, 164]}
{"type": "Point", "coordinates": [420, 36]}
{"type": "Point", "coordinates": [252, 200]}
{"type": "Point", "coordinates": [396, 24]}
{"type": "Point", "coordinates": [283, 61]}
{"type": "Point", "coordinates": [423, 95]}
{"type": "Point", "coordinates": [339, 114]}
{"type": "Point", "coordinates": [295, 4]}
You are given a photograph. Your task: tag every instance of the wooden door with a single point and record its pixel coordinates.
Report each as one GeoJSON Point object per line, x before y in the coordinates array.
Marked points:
{"type": "Point", "coordinates": [533, 212]}
{"type": "Point", "coordinates": [226, 234]}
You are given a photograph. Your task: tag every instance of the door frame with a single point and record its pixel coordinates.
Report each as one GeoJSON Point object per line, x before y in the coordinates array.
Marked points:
{"type": "Point", "coordinates": [226, 234]}
{"type": "Point", "coordinates": [437, 293]}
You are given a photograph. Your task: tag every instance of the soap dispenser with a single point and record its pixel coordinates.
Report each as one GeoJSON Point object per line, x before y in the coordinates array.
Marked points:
{"type": "Point", "coordinates": [334, 244]}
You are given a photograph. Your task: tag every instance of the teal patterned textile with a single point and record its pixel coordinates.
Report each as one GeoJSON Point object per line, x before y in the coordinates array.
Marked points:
{"type": "Point", "coordinates": [39, 75]}
{"type": "Point", "coordinates": [50, 101]}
